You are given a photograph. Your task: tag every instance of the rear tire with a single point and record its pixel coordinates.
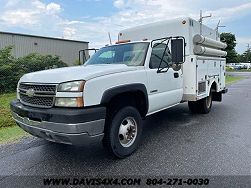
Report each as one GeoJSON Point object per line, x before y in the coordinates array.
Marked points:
{"type": "Point", "coordinates": [123, 132]}
{"type": "Point", "coordinates": [202, 106]}
{"type": "Point", "coordinates": [205, 105]}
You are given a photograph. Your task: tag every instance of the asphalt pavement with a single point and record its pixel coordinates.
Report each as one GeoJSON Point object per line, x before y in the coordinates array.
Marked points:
{"type": "Point", "coordinates": [175, 142]}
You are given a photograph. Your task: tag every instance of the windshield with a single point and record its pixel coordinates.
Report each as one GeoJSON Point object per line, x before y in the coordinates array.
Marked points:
{"type": "Point", "coordinates": [132, 54]}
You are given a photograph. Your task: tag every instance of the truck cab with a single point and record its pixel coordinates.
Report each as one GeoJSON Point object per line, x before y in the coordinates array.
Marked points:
{"type": "Point", "coordinates": [107, 98]}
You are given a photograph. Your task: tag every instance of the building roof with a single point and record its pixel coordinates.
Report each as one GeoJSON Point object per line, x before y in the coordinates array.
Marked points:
{"type": "Point", "coordinates": [44, 37]}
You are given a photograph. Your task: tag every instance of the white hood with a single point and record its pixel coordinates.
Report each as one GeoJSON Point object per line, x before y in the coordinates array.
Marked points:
{"type": "Point", "coordinates": [74, 73]}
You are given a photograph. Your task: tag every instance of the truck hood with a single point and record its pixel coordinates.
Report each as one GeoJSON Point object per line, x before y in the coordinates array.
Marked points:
{"type": "Point", "coordinates": [74, 73]}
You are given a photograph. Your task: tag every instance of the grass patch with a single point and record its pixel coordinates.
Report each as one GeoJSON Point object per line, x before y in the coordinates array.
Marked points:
{"type": "Point", "coordinates": [232, 79]}
{"type": "Point", "coordinates": [10, 134]}
{"type": "Point", "coordinates": [9, 131]}
{"type": "Point", "coordinates": [5, 115]}
{"type": "Point", "coordinates": [241, 70]}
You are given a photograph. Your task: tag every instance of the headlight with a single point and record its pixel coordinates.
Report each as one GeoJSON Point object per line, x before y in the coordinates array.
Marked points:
{"type": "Point", "coordinates": [71, 86]}
{"type": "Point", "coordinates": [17, 90]}
{"type": "Point", "coordinates": [69, 102]}
{"type": "Point", "coordinates": [72, 100]}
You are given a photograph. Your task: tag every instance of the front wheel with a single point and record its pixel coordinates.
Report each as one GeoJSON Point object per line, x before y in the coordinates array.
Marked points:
{"type": "Point", "coordinates": [123, 132]}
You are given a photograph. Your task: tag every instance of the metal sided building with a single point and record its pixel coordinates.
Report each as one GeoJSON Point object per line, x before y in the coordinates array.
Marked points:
{"type": "Point", "coordinates": [24, 44]}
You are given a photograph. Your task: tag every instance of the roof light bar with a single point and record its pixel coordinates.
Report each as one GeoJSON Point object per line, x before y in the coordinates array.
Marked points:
{"type": "Point", "coordinates": [123, 41]}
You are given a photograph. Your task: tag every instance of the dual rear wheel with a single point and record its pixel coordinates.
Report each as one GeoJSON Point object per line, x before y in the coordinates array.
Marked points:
{"type": "Point", "coordinates": [202, 106]}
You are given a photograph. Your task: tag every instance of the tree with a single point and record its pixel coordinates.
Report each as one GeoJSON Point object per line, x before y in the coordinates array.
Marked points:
{"type": "Point", "coordinates": [246, 56]}
{"type": "Point", "coordinates": [6, 56]}
{"type": "Point", "coordinates": [11, 68]}
{"type": "Point", "coordinates": [232, 55]}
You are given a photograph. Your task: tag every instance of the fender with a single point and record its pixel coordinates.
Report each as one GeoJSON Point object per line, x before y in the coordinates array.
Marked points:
{"type": "Point", "coordinates": [217, 96]}
{"type": "Point", "coordinates": [110, 93]}
{"type": "Point", "coordinates": [216, 84]}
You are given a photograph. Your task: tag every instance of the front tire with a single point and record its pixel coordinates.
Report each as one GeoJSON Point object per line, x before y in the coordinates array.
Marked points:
{"type": "Point", "coordinates": [123, 132]}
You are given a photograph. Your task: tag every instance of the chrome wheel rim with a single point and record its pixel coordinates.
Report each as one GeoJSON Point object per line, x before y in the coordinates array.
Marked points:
{"type": "Point", "coordinates": [127, 132]}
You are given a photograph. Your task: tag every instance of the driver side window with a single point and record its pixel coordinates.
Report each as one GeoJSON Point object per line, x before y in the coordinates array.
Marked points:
{"type": "Point", "coordinates": [156, 56]}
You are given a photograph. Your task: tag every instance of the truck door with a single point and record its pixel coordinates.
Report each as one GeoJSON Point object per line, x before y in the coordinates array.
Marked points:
{"type": "Point", "coordinates": [165, 87]}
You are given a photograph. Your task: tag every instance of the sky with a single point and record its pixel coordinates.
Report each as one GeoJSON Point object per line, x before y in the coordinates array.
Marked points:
{"type": "Point", "coordinates": [91, 20]}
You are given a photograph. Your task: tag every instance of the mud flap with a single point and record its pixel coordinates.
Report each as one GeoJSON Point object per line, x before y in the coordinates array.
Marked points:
{"type": "Point", "coordinates": [217, 96]}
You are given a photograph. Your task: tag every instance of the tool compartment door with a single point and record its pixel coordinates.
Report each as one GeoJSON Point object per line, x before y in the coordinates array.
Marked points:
{"type": "Point", "coordinates": [201, 78]}
{"type": "Point", "coordinates": [222, 74]}
{"type": "Point", "coordinates": [208, 71]}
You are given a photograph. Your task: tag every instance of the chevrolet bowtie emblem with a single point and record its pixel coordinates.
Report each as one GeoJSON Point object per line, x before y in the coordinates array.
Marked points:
{"type": "Point", "coordinates": [30, 92]}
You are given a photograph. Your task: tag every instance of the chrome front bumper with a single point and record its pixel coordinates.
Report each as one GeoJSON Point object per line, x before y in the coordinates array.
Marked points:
{"type": "Point", "coordinates": [81, 133]}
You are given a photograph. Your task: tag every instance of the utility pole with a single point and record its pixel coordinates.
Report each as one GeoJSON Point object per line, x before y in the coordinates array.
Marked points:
{"type": "Point", "coordinates": [110, 39]}
{"type": "Point", "coordinates": [201, 20]}
{"type": "Point", "coordinates": [217, 29]}
{"type": "Point", "coordinates": [248, 52]}
{"type": "Point", "coordinates": [248, 46]}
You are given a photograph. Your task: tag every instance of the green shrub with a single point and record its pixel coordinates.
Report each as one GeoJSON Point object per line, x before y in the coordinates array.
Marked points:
{"type": "Point", "coordinates": [12, 69]}
{"type": "Point", "coordinates": [35, 62]}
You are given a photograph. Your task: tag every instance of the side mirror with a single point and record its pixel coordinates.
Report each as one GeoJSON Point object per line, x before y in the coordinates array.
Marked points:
{"type": "Point", "coordinates": [178, 50]}
{"type": "Point", "coordinates": [84, 55]}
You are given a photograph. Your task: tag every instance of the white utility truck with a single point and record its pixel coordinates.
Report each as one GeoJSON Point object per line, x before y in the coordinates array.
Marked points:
{"type": "Point", "coordinates": [151, 68]}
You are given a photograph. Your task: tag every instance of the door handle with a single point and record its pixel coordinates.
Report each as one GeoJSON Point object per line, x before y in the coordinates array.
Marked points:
{"type": "Point", "coordinates": [176, 75]}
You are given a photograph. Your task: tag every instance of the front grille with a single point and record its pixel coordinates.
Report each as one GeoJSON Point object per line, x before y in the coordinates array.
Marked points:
{"type": "Point", "coordinates": [39, 88]}
{"type": "Point", "coordinates": [37, 101]}
{"type": "Point", "coordinates": [43, 95]}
